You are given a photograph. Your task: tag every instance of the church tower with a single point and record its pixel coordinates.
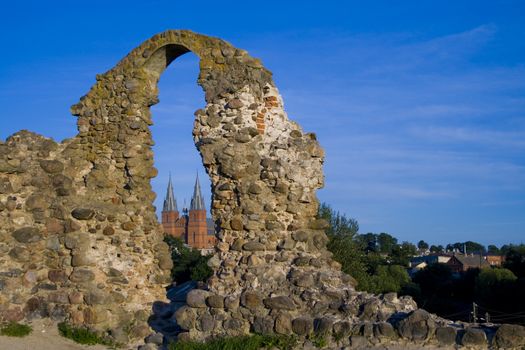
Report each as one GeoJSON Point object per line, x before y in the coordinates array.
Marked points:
{"type": "Point", "coordinates": [171, 221]}
{"type": "Point", "coordinates": [197, 233]}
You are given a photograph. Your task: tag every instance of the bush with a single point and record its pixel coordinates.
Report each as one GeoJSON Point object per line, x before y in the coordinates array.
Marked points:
{"type": "Point", "coordinates": [248, 342]}
{"type": "Point", "coordinates": [388, 279]}
{"type": "Point", "coordinates": [82, 335]}
{"type": "Point", "coordinates": [188, 263]}
{"type": "Point", "coordinates": [13, 329]}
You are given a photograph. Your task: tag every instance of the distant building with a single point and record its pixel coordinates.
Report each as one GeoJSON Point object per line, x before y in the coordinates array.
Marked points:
{"type": "Point", "coordinates": [461, 263]}
{"type": "Point", "coordinates": [420, 262]}
{"type": "Point", "coordinates": [192, 226]}
{"type": "Point", "coordinates": [495, 260]}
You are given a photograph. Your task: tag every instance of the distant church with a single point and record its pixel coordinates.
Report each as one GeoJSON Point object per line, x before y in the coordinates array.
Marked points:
{"type": "Point", "coordinates": [192, 226]}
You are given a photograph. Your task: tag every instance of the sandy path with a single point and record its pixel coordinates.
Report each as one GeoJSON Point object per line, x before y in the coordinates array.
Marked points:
{"type": "Point", "coordinates": [44, 337]}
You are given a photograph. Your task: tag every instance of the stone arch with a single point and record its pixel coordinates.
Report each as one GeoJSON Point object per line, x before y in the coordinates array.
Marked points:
{"type": "Point", "coordinates": [78, 228]}
{"type": "Point", "coordinates": [86, 215]}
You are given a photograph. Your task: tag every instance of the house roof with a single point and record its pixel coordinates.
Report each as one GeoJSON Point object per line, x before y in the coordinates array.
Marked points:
{"type": "Point", "coordinates": [472, 260]}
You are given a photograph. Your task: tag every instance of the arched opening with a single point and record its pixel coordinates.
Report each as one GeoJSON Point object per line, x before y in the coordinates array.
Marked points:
{"type": "Point", "coordinates": [176, 158]}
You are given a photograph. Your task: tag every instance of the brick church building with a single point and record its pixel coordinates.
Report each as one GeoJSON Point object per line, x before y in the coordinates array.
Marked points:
{"type": "Point", "coordinates": [192, 226]}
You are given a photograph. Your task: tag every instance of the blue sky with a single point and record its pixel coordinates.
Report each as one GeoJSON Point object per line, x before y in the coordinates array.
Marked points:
{"type": "Point", "coordinates": [420, 105]}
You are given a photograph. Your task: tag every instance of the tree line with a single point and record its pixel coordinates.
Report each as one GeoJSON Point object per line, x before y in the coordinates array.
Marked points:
{"type": "Point", "coordinates": [379, 264]}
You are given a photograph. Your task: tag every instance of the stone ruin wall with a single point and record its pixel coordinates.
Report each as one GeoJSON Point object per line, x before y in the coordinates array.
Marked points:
{"type": "Point", "coordinates": [79, 237]}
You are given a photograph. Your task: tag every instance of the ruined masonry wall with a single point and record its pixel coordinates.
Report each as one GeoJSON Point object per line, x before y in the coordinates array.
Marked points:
{"type": "Point", "coordinates": [79, 238]}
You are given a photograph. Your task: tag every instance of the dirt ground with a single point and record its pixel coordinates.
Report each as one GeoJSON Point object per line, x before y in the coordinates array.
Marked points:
{"type": "Point", "coordinates": [44, 337]}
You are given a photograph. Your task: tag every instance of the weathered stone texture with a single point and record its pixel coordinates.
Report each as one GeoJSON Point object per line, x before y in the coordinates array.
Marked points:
{"type": "Point", "coordinates": [78, 228]}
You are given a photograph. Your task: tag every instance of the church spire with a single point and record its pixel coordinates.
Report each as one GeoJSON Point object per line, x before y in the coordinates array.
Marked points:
{"type": "Point", "coordinates": [170, 203]}
{"type": "Point", "coordinates": [197, 201]}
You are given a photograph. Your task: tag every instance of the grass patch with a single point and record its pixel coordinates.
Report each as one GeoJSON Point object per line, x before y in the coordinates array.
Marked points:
{"type": "Point", "coordinates": [13, 329]}
{"type": "Point", "coordinates": [248, 342]}
{"type": "Point", "coordinates": [82, 335]}
{"type": "Point", "coordinates": [319, 340]}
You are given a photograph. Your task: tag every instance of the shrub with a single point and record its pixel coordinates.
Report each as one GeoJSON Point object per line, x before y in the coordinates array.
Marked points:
{"type": "Point", "coordinates": [13, 329]}
{"type": "Point", "coordinates": [248, 342]}
{"type": "Point", "coordinates": [82, 335]}
{"type": "Point", "coordinates": [188, 263]}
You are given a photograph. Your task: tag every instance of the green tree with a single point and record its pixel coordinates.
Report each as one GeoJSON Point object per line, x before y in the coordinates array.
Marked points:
{"type": "Point", "coordinates": [437, 249]}
{"type": "Point", "coordinates": [474, 247]}
{"type": "Point", "coordinates": [490, 279]}
{"type": "Point", "coordinates": [422, 245]}
{"type": "Point", "coordinates": [369, 242]}
{"type": "Point", "coordinates": [435, 282]}
{"type": "Point", "coordinates": [515, 259]}
{"type": "Point", "coordinates": [386, 243]}
{"type": "Point", "coordinates": [402, 253]}
{"type": "Point", "coordinates": [344, 246]}
{"type": "Point", "coordinates": [388, 278]}
{"type": "Point", "coordinates": [188, 264]}
{"type": "Point", "coordinates": [492, 249]}
{"type": "Point", "coordinates": [339, 224]}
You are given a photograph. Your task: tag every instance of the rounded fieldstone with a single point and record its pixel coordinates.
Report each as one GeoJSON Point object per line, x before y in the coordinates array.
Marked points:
{"type": "Point", "coordinates": [215, 301]}
{"type": "Point", "coordinates": [300, 236]}
{"type": "Point", "coordinates": [446, 335]}
{"type": "Point", "coordinates": [119, 335]}
{"type": "Point", "coordinates": [57, 276]}
{"type": "Point", "coordinates": [474, 337]}
{"type": "Point", "coordinates": [417, 326]}
{"type": "Point", "coordinates": [51, 166]}
{"type": "Point", "coordinates": [139, 331]}
{"type": "Point", "coordinates": [234, 104]}
{"type": "Point", "coordinates": [283, 324]}
{"type": "Point", "coordinates": [58, 298]}
{"type": "Point", "coordinates": [302, 261]}
{"type": "Point", "coordinates": [155, 338]}
{"type": "Point", "coordinates": [254, 246]}
{"type": "Point", "coordinates": [384, 330]}
{"type": "Point", "coordinates": [510, 336]}
{"type": "Point", "coordinates": [231, 303]}
{"type": "Point", "coordinates": [251, 300]}
{"type": "Point", "coordinates": [280, 303]}
{"type": "Point", "coordinates": [21, 254]}
{"type": "Point", "coordinates": [108, 231]}
{"type": "Point", "coordinates": [149, 346]}
{"type": "Point", "coordinates": [236, 223]}
{"type": "Point", "coordinates": [197, 298]}
{"type": "Point", "coordinates": [263, 325]}
{"type": "Point", "coordinates": [81, 258]}
{"type": "Point", "coordinates": [76, 298]}
{"type": "Point", "coordinates": [237, 244]}
{"type": "Point", "coordinates": [304, 280]}
{"type": "Point", "coordinates": [233, 324]}
{"type": "Point", "coordinates": [185, 317]}
{"type": "Point", "coordinates": [81, 275]}
{"type": "Point", "coordinates": [324, 325]}
{"type": "Point", "coordinates": [36, 201]}
{"type": "Point", "coordinates": [255, 189]}
{"type": "Point", "coordinates": [342, 328]}
{"type": "Point", "coordinates": [303, 325]}
{"type": "Point", "coordinates": [27, 235]}
{"type": "Point", "coordinates": [83, 213]}
{"type": "Point", "coordinates": [206, 323]}
{"type": "Point", "coordinates": [95, 297]}
{"type": "Point", "coordinates": [358, 342]}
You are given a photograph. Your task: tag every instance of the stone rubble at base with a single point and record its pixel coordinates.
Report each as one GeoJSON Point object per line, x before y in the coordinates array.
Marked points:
{"type": "Point", "coordinates": [79, 239]}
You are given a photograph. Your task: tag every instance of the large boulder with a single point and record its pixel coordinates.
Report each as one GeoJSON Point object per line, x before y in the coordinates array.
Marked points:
{"type": "Point", "coordinates": [474, 337]}
{"type": "Point", "coordinates": [509, 336]}
{"type": "Point", "coordinates": [418, 326]}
